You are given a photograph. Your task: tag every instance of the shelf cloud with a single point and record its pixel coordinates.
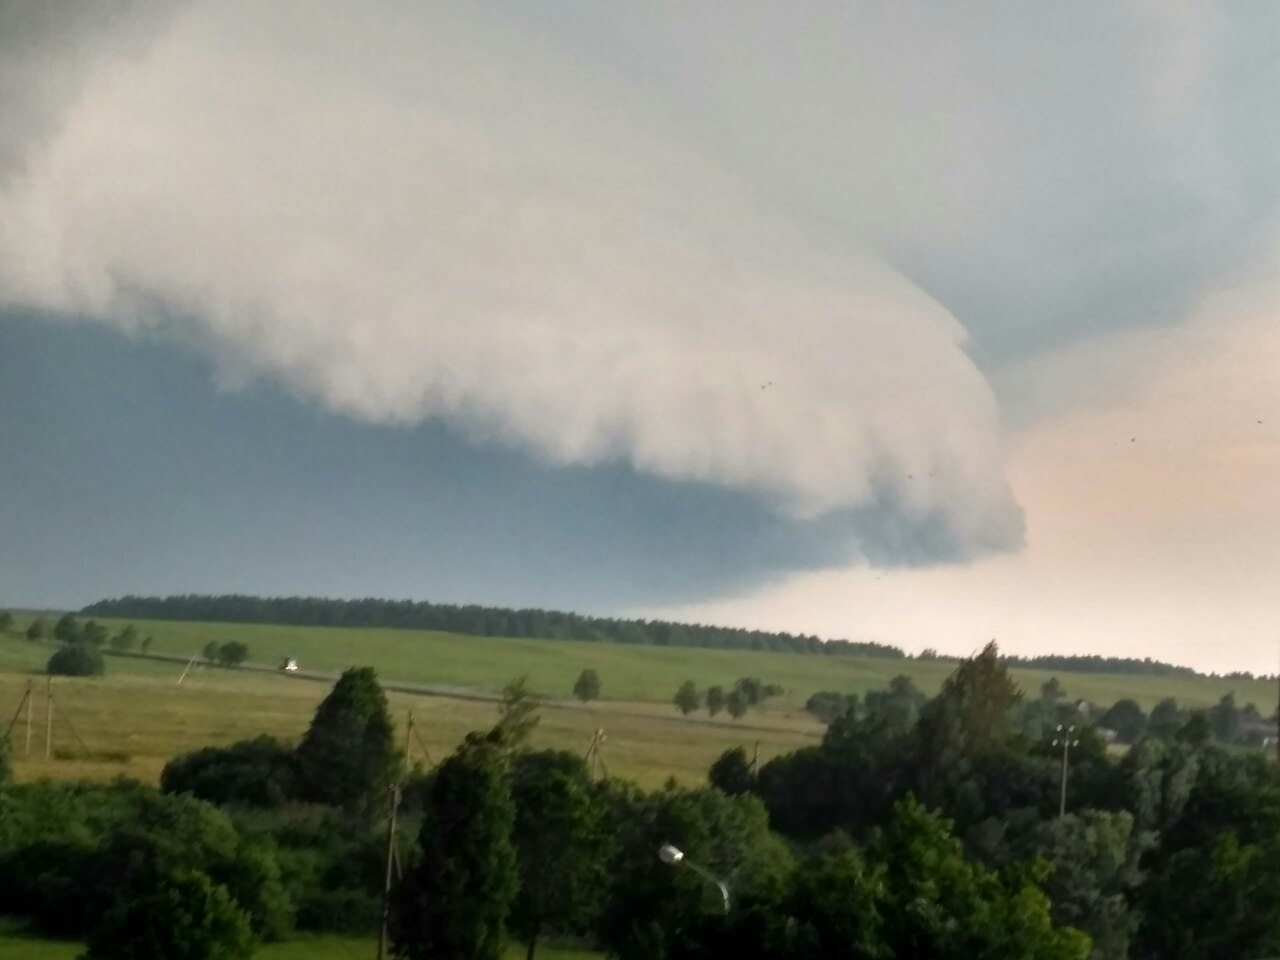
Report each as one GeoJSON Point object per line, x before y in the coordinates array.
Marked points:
{"type": "Point", "coordinates": [434, 216]}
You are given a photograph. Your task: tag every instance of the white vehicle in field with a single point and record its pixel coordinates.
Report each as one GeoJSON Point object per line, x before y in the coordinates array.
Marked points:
{"type": "Point", "coordinates": [290, 665]}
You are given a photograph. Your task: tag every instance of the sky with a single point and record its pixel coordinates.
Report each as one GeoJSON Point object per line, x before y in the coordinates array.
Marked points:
{"type": "Point", "coordinates": [883, 322]}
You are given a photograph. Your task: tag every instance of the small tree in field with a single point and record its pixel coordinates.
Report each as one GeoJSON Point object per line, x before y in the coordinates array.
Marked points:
{"type": "Point", "coordinates": [210, 652]}
{"type": "Point", "coordinates": [126, 639]}
{"type": "Point", "coordinates": [687, 698]}
{"type": "Point", "coordinates": [38, 629]}
{"type": "Point", "coordinates": [6, 621]}
{"type": "Point", "coordinates": [588, 686]}
{"type": "Point", "coordinates": [715, 700]}
{"type": "Point", "coordinates": [75, 660]}
{"type": "Point", "coordinates": [146, 644]}
{"type": "Point", "coordinates": [732, 772]}
{"type": "Point", "coordinates": [517, 714]}
{"type": "Point", "coordinates": [94, 633]}
{"type": "Point", "coordinates": [66, 630]}
{"type": "Point", "coordinates": [232, 653]}
{"type": "Point", "coordinates": [737, 703]}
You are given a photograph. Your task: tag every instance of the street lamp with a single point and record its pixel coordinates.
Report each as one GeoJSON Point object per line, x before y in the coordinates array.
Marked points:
{"type": "Point", "coordinates": [674, 857]}
{"type": "Point", "coordinates": [1065, 739]}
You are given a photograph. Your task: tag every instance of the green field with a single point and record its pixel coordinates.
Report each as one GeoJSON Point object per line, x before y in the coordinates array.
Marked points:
{"type": "Point", "coordinates": [134, 719]}
{"type": "Point", "coordinates": [638, 672]}
{"type": "Point", "coordinates": [16, 945]}
{"type": "Point", "coordinates": [139, 709]}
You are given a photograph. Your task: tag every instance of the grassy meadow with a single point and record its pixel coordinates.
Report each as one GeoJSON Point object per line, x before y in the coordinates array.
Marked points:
{"type": "Point", "coordinates": [137, 717]}
{"type": "Point", "coordinates": [636, 673]}
{"type": "Point", "coordinates": [17, 945]}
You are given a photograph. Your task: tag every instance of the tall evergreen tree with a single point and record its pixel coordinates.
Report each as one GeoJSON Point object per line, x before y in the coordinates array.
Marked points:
{"type": "Point", "coordinates": [348, 757]}
{"type": "Point", "coordinates": [454, 904]}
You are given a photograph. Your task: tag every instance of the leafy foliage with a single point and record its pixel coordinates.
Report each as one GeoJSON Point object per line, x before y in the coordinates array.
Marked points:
{"type": "Point", "coordinates": [76, 660]}
{"type": "Point", "coordinates": [1126, 718]}
{"type": "Point", "coordinates": [259, 772]}
{"type": "Point", "coordinates": [66, 852]}
{"type": "Point", "coordinates": [715, 700]}
{"type": "Point", "coordinates": [732, 772]}
{"type": "Point", "coordinates": [561, 846]}
{"type": "Point", "coordinates": [181, 915]}
{"type": "Point", "coordinates": [232, 653]}
{"type": "Point", "coordinates": [654, 908]}
{"type": "Point", "coordinates": [126, 639]}
{"type": "Point", "coordinates": [348, 757]}
{"type": "Point", "coordinates": [454, 904]}
{"type": "Point", "coordinates": [517, 714]}
{"type": "Point", "coordinates": [67, 629]}
{"type": "Point", "coordinates": [587, 686]}
{"type": "Point", "coordinates": [827, 705]}
{"type": "Point", "coordinates": [687, 698]}
{"type": "Point", "coordinates": [93, 633]}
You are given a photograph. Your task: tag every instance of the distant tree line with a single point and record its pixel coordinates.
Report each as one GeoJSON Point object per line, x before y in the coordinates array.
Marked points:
{"type": "Point", "coordinates": [537, 624]}
{"type": "Point", "coordinates": [1095, 664]}
{"type": "Point", "coordinates": [471, 620]}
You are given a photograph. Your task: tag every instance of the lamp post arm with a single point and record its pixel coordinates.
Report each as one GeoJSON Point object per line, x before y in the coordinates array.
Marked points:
{"type": "Point", "coordinates": [711, 878]}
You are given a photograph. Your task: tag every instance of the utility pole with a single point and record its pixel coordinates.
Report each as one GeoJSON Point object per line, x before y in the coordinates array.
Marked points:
{"type": "Point", "coordinates": [25, 702]}
{"type": "Point", "coordinates": [48, 718]}
{"type": "Point", "coordinates": [1064, 739]}
{"type": "Point", "coordinates": [386, 885]}
{"type": "Point", "coordinates": [30, 704]}
{"type": "Point", "coordinates": [408, 742]}
{"type": "Point", "coordinates": [593, 755]}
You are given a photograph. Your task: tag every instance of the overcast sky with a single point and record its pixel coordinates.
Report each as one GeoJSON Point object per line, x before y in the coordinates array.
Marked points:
{"type": "Point", "coordinates": [887, 322]}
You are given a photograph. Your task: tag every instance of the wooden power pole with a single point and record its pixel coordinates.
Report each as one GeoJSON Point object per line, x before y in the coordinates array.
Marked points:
{"type": "Point", "coordinates": [48, 719]}
{"type": "Point", "coordinates": [386, 884]}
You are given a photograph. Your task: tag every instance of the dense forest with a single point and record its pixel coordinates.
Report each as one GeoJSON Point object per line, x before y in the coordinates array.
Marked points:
{"type": "Point", "coordinates": [480, 621]}
{"type": "Point", "coordinates": [944, 828]}
{"type": "Point", "coordinates": [472, 620]}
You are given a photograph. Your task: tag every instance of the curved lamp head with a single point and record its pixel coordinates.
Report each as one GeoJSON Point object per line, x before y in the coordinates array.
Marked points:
{"type": "Point", "coordinates": [669, 854]}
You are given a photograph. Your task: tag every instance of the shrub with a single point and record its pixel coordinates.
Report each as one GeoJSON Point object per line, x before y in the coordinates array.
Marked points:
{"type": "Point", "coordinates": [588, 686]}
{"type": "Point", "coordinates": [232, 653]}
{"type": "Point", "coordinates": [346, 911]}
{"type": "Point", "coordinates": [75, 660]}
{"type": "Point", "coordinates": [179, 915]}
{"type": "Point", "coordinates": [827, 705]}
{"type": "Point", "coordinates": [261, 772]}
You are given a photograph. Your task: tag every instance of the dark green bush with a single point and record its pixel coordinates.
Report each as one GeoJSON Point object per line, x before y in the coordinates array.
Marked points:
{"type": "Point", "coordinates": [261, 772]}
{"type": "Point", "coordinates": [345, 911]}
{"type": "Point", "coordinates": [76, 660]}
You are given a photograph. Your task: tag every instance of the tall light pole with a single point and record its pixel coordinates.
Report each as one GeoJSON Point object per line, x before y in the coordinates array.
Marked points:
{"type": "Point", "coordinates": [1066, 741]}
{"type": "Point", "coordinates": [675, 857]}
